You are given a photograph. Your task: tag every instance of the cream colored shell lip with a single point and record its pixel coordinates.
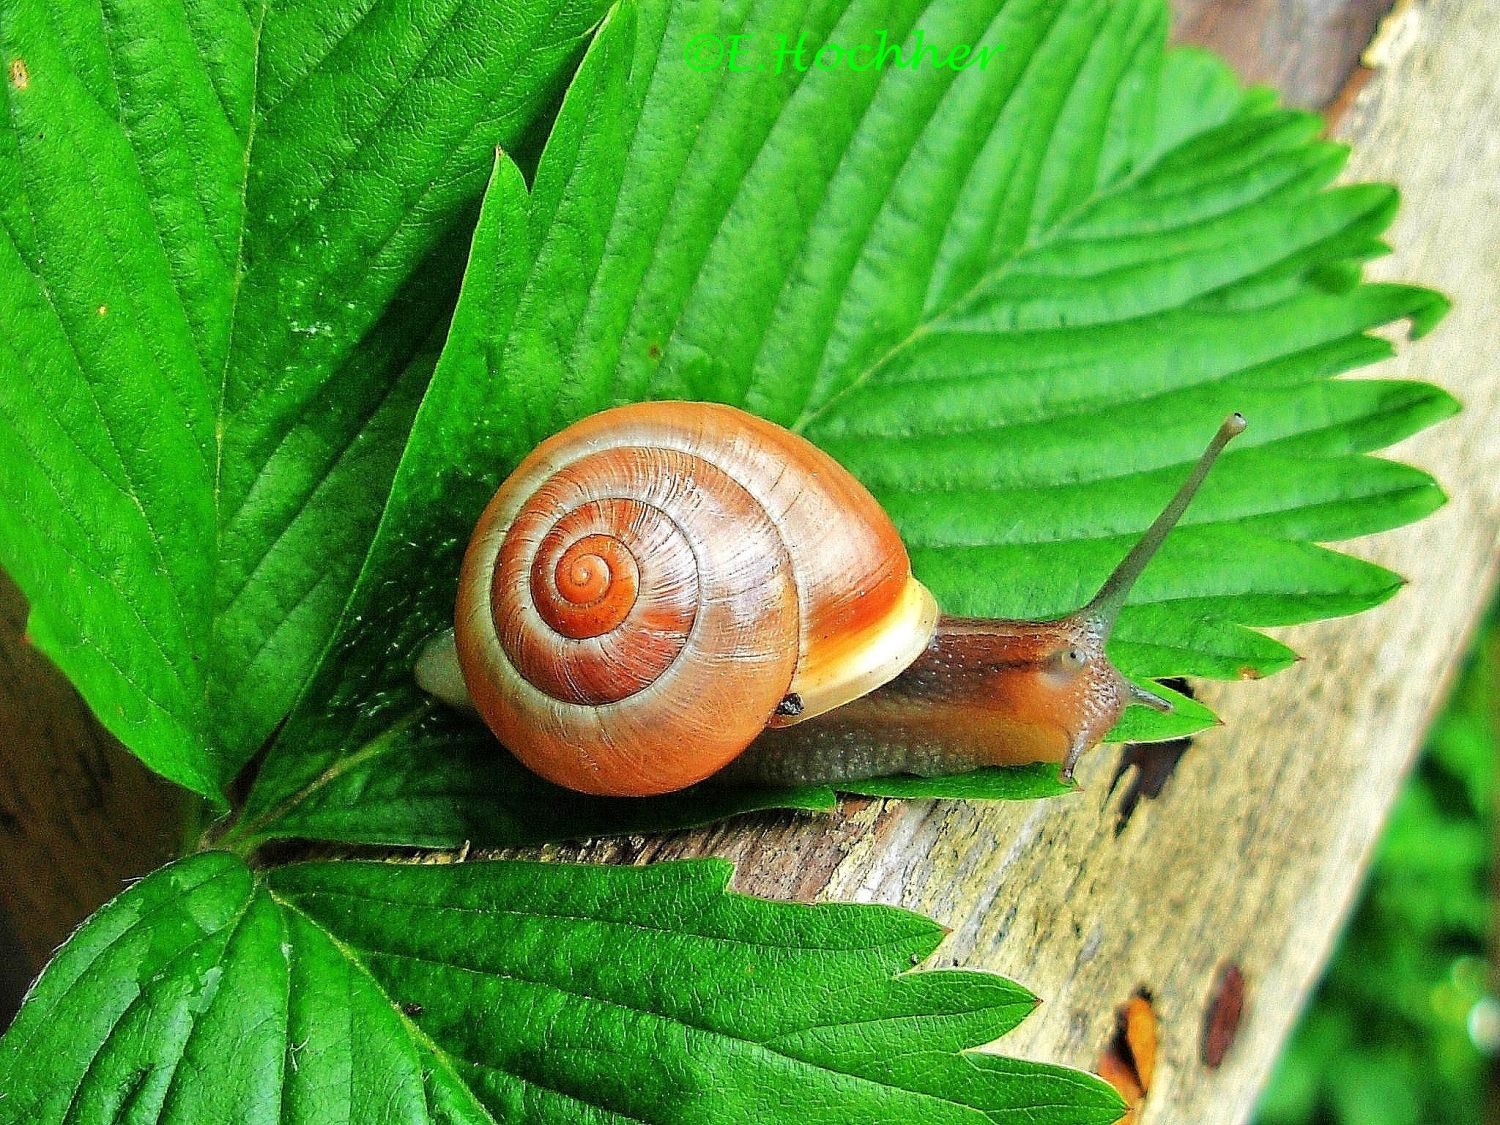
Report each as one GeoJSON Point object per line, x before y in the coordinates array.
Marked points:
{"type": "Point", "coordinates": [866, 660]}
{"type": "Point", "coordinates": [438, 673]}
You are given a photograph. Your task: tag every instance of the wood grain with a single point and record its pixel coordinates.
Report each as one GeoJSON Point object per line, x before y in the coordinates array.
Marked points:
{"type": "Point", "coordinates": [1252, 854]}
{"type": "Point", "coordinates": [79, 816]}
{"type": "Point", "coordinates": [1307, 49]}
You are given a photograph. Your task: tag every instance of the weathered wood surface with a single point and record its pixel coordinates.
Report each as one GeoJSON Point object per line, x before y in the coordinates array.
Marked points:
{"type": "Point", "coordinates": [1307, 49]}
{"type": "Point", "coordinates": [1252, 854]}
{"type": "Point", "coordinates": [78, 815]}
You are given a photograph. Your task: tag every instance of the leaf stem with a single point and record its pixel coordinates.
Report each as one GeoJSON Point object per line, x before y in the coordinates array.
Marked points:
{"type": "Point", "coordinates": [247, 835]}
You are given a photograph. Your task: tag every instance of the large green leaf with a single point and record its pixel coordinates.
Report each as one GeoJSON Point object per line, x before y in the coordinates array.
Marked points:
{"type": "Point", "coordinates": [1015, 301]}
{"type": "Point", "coordinates": [513, 992]}
{"type": "Point", "coordinates": [225, 244]}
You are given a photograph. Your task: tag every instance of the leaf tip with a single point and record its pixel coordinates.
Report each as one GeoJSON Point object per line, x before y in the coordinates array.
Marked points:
{"type": "Point", "coordinates": [1446, 404]}
{"type": "Point", "coordinates": [1427, 313]}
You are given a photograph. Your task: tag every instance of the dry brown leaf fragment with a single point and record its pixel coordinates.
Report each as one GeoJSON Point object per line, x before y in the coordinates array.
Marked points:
{"type": "Point", "coordinates": [1129, 1059]}
{"type": "Point", "coordinates": [1221, 1022]}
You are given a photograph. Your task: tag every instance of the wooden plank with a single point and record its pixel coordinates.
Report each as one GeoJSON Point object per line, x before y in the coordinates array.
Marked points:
{"type": "Point", "coordinates": [1252, 854]}
{"type": "Point", "coordinates": [78, 814]}
{"type": "Point", "coordinates": [1307, 49]}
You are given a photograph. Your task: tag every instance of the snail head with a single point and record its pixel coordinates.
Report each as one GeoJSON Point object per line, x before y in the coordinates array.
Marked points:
{"type": "Point", "coordinates": [1076, 674]}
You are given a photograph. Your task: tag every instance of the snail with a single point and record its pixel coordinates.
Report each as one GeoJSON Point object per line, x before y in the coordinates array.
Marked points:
{"type": "Point", "coordinates": [672, 591]}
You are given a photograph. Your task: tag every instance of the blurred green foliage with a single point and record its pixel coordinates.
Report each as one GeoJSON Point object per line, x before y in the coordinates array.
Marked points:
{"type": "Point", "coordinates": [1387, 1039]}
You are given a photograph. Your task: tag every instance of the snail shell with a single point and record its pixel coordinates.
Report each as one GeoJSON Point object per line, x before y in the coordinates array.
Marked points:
{"type": "Point", "coordinates": [655, 585]}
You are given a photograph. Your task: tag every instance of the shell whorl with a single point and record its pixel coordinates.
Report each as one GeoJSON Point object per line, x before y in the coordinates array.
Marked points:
{"type": "Point", "coordinates": [613, 587]}
{"type": "Point", "coordinates": [631, 609]}
{"type": "Point", "coordinates": [643, 620]}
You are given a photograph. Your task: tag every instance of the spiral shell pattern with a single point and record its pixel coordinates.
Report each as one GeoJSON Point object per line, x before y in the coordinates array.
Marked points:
{"type": "Point", "coordinates": [631, 614]}
{"type": "Point", "coordinates": [645, 619]}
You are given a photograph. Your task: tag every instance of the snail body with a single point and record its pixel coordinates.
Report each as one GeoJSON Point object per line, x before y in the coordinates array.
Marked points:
{"type": "Point", "coordinates": [670, 591]}
{"type": "Point", "coordinates": [982, 693]}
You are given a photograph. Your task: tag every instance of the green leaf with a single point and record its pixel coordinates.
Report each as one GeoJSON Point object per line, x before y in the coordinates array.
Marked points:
{"type": "Point", "coordinates": [513, 992]}
{"type": "Point", "coordinates": [427, 777]}
{"type": "Point", "coordinates": [226, 258]}
{"type": "Point", "coordinates": [374, 134]}
{"type": "Point", "coordinates": [1019, 783]}
{"type": "Point", "coordinates": [978, 290]}
{"type": "Point", "coordinates": [434, 779]}
{"type": "Point", "coordinates": [116, 341]}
